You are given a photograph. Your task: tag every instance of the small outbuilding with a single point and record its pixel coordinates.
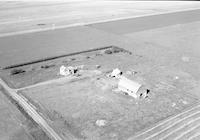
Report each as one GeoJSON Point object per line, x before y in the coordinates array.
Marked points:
{"type": "Point", "coordinates": [128, 86]}
{"type": "Point", "coordinates": [65, 71]}
{"type": "Point", "coordinates": [116, 73]}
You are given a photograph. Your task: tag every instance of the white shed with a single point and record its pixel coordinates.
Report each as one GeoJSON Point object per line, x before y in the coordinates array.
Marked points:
{"type": "Point", "coordinates": [128, 86]}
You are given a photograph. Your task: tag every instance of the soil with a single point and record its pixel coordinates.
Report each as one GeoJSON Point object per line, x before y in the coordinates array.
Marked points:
{"type": "Point", "coordinates": [31, 74]}
{"type": "Point", "coordinates": [73, 107]}
{"type": "Point", "coordinates": [14, 125]}
{"type": "Point", "coordinates": [165, 60]}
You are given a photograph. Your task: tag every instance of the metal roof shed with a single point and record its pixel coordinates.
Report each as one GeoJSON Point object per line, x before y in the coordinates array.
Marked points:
{"type": "Point", "coordinates": [128, 86]}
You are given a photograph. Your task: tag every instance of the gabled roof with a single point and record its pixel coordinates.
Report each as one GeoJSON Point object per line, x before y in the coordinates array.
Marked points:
{"type": "Point", "coordinates": [128, 84]}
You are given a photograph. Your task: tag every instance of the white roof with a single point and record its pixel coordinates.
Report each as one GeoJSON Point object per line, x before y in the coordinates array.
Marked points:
{"type": "Point", "coordinates": [129, 84]}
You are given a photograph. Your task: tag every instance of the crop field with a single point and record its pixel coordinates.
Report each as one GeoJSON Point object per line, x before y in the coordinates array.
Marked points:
{"type": "Point", "coordinates": [14, 125]}
{"type": "Point", "coordinates": [160, 52]}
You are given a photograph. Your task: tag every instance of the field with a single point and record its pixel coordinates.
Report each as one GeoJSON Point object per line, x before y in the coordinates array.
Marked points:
{"type": "Point", "coordinates": [48, 70]}
{"type": "Point", "coordinates": [28, 16]}
{"type": "Point", "coordinates": [78, 106]}
{"type": "Point", "coordinates": [161, 52]}
{"type": "Point", "coordinates": [14, 125]}
{"type": "Point", "coordinates": [87, 106]}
